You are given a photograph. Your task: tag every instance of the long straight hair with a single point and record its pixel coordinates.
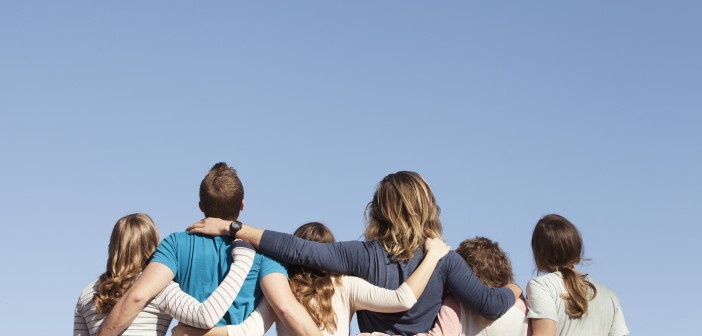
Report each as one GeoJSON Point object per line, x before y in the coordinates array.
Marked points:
{"type": "Point", "coordinates": [402, 214]}
{"type": "Point", "coordinates": [313, 288]}
{"type": "Point", "coordinates": [132, 244]}
{"type": "Point", "coordinates": [558, 246]}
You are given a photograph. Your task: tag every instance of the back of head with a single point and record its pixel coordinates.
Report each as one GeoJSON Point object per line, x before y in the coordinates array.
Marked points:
{"type": "Point", "coordinates": [221, 193]}
{"type": "Point", "coordinates": [314, 289]}
{"type": "Point", "coordinates": [558, 246]}
{"type": "Point", "coordinates": [402, 214]}
{"type": "Point", "coordinates": [487, 261]}
{"type": "Point", "coordinates": [132, 244]}
{"type": "Point", "coordinates": [315, 231]}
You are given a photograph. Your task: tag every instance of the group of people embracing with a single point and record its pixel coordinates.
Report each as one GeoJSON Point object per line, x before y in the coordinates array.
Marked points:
{"type": "Point", "coordinates": [223, 277]}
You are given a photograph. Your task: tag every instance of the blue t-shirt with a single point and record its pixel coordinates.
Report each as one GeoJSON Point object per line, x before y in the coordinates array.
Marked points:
{"type": "Point", "coordinates": [200, 263]}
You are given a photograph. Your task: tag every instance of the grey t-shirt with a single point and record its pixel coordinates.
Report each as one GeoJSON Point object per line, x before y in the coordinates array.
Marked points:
{"type": "Point", "coordinates": [603, 317]}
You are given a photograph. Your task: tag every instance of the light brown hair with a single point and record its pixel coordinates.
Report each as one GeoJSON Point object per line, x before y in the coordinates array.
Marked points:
{"type": "Point", "coordinates": [313, 288]}
{"type": "Point", "coordinates": [221, 193]}
{"type": "Point", "coordinates": [132, 244]}
{"type": "Point", "coordinates": [558, 246]}
{"type": "Point", "coordinates": [487, 261]}
{"type": "Point", "coordinates": [402, 214]}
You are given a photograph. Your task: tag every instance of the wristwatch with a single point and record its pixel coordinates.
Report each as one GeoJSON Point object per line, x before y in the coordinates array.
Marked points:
{"type": "Point", "coordinates": [234, 227]}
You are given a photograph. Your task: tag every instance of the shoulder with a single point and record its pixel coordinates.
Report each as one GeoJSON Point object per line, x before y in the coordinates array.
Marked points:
{"type": "Point", "coordinates": [184, 236]}
{"type": "Point", "coordinates": [86, 295]}
{"type": "Point", "coordinates": [551, 283]}
{"type": "Point", "coordinates": [603, 291]}
{"type": "Point", "coordinates": [268, 265]}
{"type": "Point", "coordinates": [549, 280]}
{"type": "Point", "coordinates": [91, 288]}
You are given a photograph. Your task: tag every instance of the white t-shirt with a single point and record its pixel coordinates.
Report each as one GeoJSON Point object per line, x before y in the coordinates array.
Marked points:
{"type": "Point", "coordinates": [512, 323]}
{"type": "Point", "coordinates": [603, 317]}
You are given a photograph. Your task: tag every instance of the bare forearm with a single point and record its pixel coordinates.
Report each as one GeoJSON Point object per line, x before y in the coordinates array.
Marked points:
{"type": "Point", "coordinates": [290, 312]}
{"type": "Point", "coordinates": [219, 227]}
{"type": "Point", "coordinates": [250, 234]}
{"type": "Point", "coordinates": [122, 315]}
{"type": "Point", "coordinates": [298, 320]}
{"type": "Point", "coordinates": [154, 278]}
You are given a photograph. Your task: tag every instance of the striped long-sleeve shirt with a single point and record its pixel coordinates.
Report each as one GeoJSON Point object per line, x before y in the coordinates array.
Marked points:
{"type": "Point", "coordinates": [156, 317]}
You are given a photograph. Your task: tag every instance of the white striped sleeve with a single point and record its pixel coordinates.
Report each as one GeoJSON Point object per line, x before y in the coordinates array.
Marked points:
{"type": "Point", "coordinates": [174, 301]}
{"type": "Point", "coordinates": [256, 324]}
{"type": "Point", "coordinates": [80, 327]}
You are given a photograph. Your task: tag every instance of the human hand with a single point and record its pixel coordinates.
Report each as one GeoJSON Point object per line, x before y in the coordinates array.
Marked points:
{"type": "Point", "coordinates": [210, 226]}
{"type": "Point", "coordinates": [515, 289]}
{"type": "Point", "coordinates": [436, 248]}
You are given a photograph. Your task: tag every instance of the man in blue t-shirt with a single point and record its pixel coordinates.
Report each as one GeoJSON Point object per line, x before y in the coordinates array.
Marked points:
{"type": "Point", "coordinates": [199, 263]}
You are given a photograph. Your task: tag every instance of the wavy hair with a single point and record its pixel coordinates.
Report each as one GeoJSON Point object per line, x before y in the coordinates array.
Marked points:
{"type": "Point", "coordinates": [313, 288]}
{"type": "Point", "coordinates": [487, 261]}
{"type": "Point", "coordinates": [558, 246]}
{"type": "Point", "coordinates": [402, 214]}
{"type": "Point", "coordinates": [132, 244]}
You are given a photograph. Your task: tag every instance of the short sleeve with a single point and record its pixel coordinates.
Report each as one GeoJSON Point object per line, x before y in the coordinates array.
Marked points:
{"type": "Point", "coordinates": [619, 327]}
{"type": "Point", "coordinates": [166, 253]}
{"type": "Point", "coordinates": [541, 304]}
{"type": "Point", "coordinates": [270, 266]}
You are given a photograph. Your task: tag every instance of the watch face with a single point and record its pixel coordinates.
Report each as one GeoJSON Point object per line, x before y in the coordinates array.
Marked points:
{"type": "Point", "coordinates": [234, 227]}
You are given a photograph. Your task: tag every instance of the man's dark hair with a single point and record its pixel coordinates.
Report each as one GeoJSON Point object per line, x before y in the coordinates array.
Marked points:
{"type": "Point", "coordinates": [221, 192]}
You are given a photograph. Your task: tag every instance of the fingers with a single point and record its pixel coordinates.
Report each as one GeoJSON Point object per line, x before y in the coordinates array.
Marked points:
{"type": "Point", "coordinates": [195, 226]}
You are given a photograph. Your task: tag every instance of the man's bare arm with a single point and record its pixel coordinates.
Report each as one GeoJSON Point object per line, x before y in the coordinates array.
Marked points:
{"type": "Point", "coordinates": [219, 227]}
{"type": "Point", "coordinates": [156, 276]}
{"type": "Point", "coordinates": [290, 312]}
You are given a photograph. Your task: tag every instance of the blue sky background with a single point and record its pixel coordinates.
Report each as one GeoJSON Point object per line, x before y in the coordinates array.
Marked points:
{"type": "Point", "coordinates": [510, 110]}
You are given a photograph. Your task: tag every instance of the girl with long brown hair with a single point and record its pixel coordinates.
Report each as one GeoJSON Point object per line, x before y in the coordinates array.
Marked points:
{"type": "Point", "coordinates": [332, 299]}
{"type": "Point", "coordinates": [565, 302]}
{"type": "Point", "coordinates": [132, 244]}
{"type": "Point", "coordinates": [402, 215]}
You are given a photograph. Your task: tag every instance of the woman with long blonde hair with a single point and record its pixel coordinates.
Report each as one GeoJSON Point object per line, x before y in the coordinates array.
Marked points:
{"type": "Point", "coordinates": [563, 301]}
{"type": "Point", "coordinates": [402, 215]}
{"type": "Point", "coordinates": [132, 244]}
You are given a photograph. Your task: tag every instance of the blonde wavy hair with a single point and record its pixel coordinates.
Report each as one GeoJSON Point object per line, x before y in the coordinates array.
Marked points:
{"type": "Point", "coordinates": [313, 288]}
{"type": "Point", "coordinates": [402, 214]}
{"type": "Point", "coordinates": [132, 244]}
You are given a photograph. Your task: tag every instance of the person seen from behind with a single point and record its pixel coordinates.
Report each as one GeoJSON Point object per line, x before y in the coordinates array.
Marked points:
{"type": "Point", "coordinates": [563, 301]}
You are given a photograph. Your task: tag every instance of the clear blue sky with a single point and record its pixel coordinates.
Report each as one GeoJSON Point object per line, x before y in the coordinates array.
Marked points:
{"type": "Point", "coordinates": [510, 110]}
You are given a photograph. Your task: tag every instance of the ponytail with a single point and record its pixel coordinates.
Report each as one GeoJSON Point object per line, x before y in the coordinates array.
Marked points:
{"type": "Point", "coordinates": [580, 291]}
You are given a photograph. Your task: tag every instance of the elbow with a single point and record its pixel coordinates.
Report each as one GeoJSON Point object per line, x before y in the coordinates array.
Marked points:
{"type": "Point", "coordinates": [137, 298]}
{"type": "Point", "coordinates": [285, 313]}
{"type": "Point", "coordinates": [206, 321]}
{"type": "Point", "coordinates": [407, 304]}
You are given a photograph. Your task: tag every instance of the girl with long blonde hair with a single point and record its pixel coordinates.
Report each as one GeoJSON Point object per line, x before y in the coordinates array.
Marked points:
{"type": "Point", "coordinates": [132, 244]}
{"type": "Point", "coordinates": [564, 301]}
{"type": "Point", "coordinates": [402, 215]}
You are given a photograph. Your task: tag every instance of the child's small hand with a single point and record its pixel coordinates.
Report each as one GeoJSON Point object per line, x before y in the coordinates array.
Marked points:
{"type": "Point", "coordinates": [436, 247]}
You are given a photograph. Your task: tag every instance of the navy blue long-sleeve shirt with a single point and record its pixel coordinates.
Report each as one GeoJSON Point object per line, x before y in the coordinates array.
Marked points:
{"type": "Point", "coordinates": [370, 261]}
